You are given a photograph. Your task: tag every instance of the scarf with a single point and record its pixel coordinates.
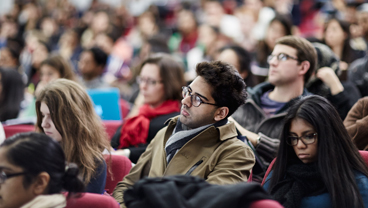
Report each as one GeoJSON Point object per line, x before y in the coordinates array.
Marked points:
{"type": "Point", "coordinates": [301, 180]}
{"type": "Point", "coordinates": [181, 136]}
{"type": "Point", "coordinates": [47, 201]}
{"type": "Point", "coordinates": [135, 129]}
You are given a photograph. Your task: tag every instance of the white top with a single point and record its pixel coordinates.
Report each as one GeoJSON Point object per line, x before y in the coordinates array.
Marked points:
{"type": "Point", "coordinates": [2, 134]}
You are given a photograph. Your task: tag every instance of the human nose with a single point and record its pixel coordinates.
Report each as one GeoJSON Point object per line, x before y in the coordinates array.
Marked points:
{"type": "Point", "coordinates": [187, 100]}
{"type": "Point", "coordinates": [143, 84]}
{"type": "Point", "coordinates": [300, 144]}
{"type": "Point", "coordinates": [45, 123]}
{"type": "Point", "coordinates": [272, 60]}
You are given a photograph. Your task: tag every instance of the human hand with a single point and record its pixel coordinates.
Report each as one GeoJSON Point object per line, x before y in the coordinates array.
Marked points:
{"type": "Point", "coordinates": [328, 76]}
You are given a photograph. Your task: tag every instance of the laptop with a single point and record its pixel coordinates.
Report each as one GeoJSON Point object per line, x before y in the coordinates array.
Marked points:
{"type": "Point", "coordinates": [106, 103]}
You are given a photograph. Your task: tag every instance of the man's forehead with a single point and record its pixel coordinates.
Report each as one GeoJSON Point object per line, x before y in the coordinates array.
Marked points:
{"type": "Point", "coordinates": [201, 87]}
{"type": "Point", "coordinates": [280, 48]}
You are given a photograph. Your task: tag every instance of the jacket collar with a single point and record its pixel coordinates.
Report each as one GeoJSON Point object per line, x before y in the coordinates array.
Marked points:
{"type": "Point", "coordinates": [257, 92]}
{"type": "Point", "coordinates": [225, 132]}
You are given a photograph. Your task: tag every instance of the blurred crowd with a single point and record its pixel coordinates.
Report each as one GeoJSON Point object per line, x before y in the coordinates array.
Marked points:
{"type": "Point", "coordinates": [102, 43]}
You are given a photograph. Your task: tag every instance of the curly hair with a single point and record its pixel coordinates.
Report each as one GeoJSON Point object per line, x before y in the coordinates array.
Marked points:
{"type": "Point", "coordinates": [228, 87]}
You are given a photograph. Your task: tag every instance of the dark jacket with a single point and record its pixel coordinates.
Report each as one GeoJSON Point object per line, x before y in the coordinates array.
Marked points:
{"type": "Point", "coordinates": [252, 117]}
{"type": "Point", "coordinates": [188, 191]}
{"type": "Point", "coordinates": [358, 74]}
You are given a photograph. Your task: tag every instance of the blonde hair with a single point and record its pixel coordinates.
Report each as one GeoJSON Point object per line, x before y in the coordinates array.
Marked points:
{"type": "Point", "coordinates": [83, 134]}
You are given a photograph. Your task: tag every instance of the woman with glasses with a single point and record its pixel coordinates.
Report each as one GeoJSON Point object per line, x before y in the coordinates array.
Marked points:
{"type": "Point", "coordinates": [33, 173]}
{"type": "Point", "coordinates": [317, 164]}
{"type": "Point", "coordinates": [160, 81]}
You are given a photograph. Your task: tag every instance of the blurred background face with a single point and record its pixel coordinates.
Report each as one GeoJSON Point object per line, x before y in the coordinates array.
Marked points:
{"type": "Point", "coordinates": [87, 64]}
{"type": "Point", "coordinates": [275, 31]}
{"type": "Point", "coordinates": [186, 22]}
{"type": "Point", "coordinates": [214, 12]}
{"type": "Point", "coordinates": [49, 73]}
{"type": "Point", "coordinates": [334, 35]}
{"type": "Point", "coordinates": [100, 22]}
{"type": "Point", "coordinates": [147, 25]}
{"type": "Point", "coordinates": [230, 57]}
{"type": "Point", "coordinates": [39, 54]}
{"type": "Point", "coordinates": [104, 42]}
{"type": "Point", "coordinates": [206, 35]}
{"type": "Point", "coordinates": [49, 27]}
{"type": "Point", "coordinates": [6, 59]}
{"type": "Point", "coordinates": [153, 93]}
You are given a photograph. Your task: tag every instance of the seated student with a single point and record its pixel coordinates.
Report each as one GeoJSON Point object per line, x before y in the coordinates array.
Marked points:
{"type": "Point", "coordinates": [317, 165]}
{"type": "Point", "coordinates": [201, 141]}
{"type": "Point", "coordinates": [91, 66]}
{"type": "Point", "coordinates": [52, 68]}
{"type": "Point", "coordinates": [33, 173]}
{"type": "Point", "coordinates": [160, 82]}
{"type": "Point", "coordinates": [65, 113]}
{"type": "Point", "coordinates": [11, 93]}
{"type": "Point", "coordinates": [325, 82]}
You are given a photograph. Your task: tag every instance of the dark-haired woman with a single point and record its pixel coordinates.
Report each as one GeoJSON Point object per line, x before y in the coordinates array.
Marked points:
{"type": "Point", "coordinates": [160, 83]}
{"type": "Point", "coordinates": [11, 93]}
{"type": "Point", "coordinates": [33, 173]}
{"type": "Point", "coordinates": [317, 164]}
{"type": "Point", "coordinates": [337, 37]}
{"type": "Point", "coordinates": [279, 26]}
{"type": "Point", "coordinates": [240, 59]}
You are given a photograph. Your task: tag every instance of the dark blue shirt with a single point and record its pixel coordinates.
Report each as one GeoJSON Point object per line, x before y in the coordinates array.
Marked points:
{"type": "Point", "coordinates": [98, 181]}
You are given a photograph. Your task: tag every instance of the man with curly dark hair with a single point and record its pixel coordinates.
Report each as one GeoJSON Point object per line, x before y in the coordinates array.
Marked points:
{"type": "Point", "coordinates": [201, 141]}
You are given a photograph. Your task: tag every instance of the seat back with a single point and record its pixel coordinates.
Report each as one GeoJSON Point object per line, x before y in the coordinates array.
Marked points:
{"type": "Point", "coordinates": [120, 167]}
{"type": "Point", "coordinates": [268, 171]}
{"type": "Point", "coordinates": [111, 127]}
{"type": "Point", "coordinates": [364, 155]}
{"type": "Point", "coordinates": [91, 200]}
{"type": "Point", "coordinates": [14, 129]}
{"type": "Point", "coordinates": [266, 203]}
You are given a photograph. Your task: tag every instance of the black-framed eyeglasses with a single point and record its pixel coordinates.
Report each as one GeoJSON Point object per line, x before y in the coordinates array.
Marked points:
{"type": "Point", "coordinates": [281, 57]}
{"type": "Point", "coordinates": [148, 81]}
{"type": "Point", "coordinates": [4, 176]}
{"type": "Point", "coordinates": [195, 99]}
{"type": "Point", "coordinates": [306, 139]}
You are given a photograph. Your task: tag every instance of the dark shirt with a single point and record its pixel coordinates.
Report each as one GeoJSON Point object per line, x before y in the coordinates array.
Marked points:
{"type": "Point", "coordinates": [98, 181]}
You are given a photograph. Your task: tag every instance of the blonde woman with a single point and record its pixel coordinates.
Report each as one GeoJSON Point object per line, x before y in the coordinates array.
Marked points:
{"type": "Point", "coordinates": [65, 113]}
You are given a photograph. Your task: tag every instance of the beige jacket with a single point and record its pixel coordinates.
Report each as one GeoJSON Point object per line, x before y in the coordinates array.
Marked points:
{"type": "Point", "coordinates": [225, 159]}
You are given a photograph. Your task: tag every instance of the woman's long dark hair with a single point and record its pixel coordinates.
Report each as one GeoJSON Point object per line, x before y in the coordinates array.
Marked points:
{"type": "Point", "coordinates": [337, 155]}
{"type": "Point", "coordinates": [244, 59]}
{"type": "Point", "coordinates": [347, 51]}
{"type": "Point", "coordinates": [12, 93]}
{"type": "Point", "coordinates": [36, 153]}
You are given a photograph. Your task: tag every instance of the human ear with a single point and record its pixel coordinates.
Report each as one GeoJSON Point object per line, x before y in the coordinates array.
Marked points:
{"type": "Point", "coordinates": [40, 184]}
{"type": "Point", "coordinates": [221, 113]}
{"type": "Point", "coordinates": [305, 67]}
